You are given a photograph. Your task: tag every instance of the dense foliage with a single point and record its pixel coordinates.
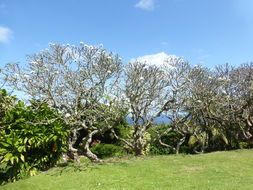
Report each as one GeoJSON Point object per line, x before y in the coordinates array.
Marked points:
{"type": "Point", "coordinates": [31, 138]}
{"type": "Point", "coordinates": [107, 150]}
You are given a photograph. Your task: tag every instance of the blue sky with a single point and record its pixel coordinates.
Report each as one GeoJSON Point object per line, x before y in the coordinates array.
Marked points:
{"type": "Point", "coordinates": [210, 32]}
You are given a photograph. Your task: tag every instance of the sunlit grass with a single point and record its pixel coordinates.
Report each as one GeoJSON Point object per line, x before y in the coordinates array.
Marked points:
{"type": "Point", "coordinates": [218, 171]}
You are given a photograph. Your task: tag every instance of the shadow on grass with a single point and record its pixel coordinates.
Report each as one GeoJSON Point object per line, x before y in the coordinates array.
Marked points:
{"type": "Point", "coordinates": [65, 168]}
{"type": "Point", "coordinates": [69, 167]}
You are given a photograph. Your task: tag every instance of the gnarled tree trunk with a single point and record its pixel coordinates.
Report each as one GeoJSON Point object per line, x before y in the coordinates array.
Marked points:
{"type": "Point", "coordinates": [138, 142]}
{"type": "Point", "coordinates": [86, 147]}
{"type": "Point", "coordinates": [139, 150]}
{"type": "Point", "coordinates": [72, 152]}
{"type": "Point", "coordinates": [181, 141]}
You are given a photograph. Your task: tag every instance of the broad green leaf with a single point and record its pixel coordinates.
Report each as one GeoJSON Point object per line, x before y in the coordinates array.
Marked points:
{"type": "Point", "coordinates": [25, 140]}
{"type": "Point", "coordinates": [12, 159]}
{"type": "Point", "coordinates": [22, 157]}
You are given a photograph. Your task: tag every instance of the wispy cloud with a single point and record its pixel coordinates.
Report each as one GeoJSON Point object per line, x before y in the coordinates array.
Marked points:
{"type": "Point", "coordinates": [148, 5]}
{"type": "Point", "coordinates": [5, 34]}
{"type": "Point", "coordinates": [3, 8]}
{"type": "Point", "coordinates": [164, 43]}
{"type": "Point", "coordinates": [204, 56]}
{"type": "Point", "coordinates": [201, 54]}
{"type": "Point", "coordinates": [198, 50]}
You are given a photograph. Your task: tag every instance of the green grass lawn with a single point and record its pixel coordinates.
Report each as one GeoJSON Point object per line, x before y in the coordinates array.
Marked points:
{"type": "Point", "coordinates": [220, 170]}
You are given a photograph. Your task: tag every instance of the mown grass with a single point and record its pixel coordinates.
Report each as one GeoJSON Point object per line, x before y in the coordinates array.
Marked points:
{"type": "Point", "coordinates": [231, 170]}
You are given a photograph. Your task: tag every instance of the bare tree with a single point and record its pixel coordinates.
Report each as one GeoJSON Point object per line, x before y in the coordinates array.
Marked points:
{"type": "Point", "coordinates": [202, 92]}
{"type": "Point", "coordinates": [239, 102]}
{"type": "Point", "coordinates": [177, 114]}
{"type": "Point", "coordinates": [78, 81]}
{"type": "Point", "coordinates": [150, 93]}
{"type": "Point", "coordinates": [2, 79]}
{"type": "Point", "coordinates": [243, 110]}
{"type": "Point", "coordinates": [220, 105]}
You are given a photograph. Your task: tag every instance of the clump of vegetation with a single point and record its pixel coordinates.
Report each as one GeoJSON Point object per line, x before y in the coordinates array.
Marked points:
{"type": "Point", "coordinates": [107, 150]}
{"type": "Point", "coordinates": [31, 138]}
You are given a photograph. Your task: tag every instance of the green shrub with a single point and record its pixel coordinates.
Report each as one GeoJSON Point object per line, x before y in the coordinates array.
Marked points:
{"type": "Point", "coordinates": [107, 150]}
{"type": "Point", "coordinates": [158, 149]}
{"type": "Point", "coordinates": [244, 145]}
{"type": "Point", "coordinates": [27, 142]}
{"type": "Point", "coordinates": [121, 128]}
{"type": "Point", "coordinates": [172, 138]}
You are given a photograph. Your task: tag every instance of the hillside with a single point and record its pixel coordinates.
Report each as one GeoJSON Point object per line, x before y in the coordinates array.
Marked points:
{"type": "Point", "coordinates": [220, 170]}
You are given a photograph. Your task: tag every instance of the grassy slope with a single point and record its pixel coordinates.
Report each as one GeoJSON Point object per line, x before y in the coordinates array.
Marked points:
{"type": "Point", "coordinates": [220, 170]}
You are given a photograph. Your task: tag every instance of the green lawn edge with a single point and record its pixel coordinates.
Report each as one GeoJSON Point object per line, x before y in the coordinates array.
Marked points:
{"type": "Point", "coordinates": [227, 170]}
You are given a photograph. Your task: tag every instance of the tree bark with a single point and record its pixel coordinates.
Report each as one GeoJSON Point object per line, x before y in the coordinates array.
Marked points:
{"type": "Point", "coordinates": [86, 147]}
{"type": "Point", "coordinates": [181, 141]}
{"type": "Point", "coordinates": [139, 149]}
{"type": "Point", "coordinates": [72, 152]}
{"type": "Point", "coordinates": [139, 142]}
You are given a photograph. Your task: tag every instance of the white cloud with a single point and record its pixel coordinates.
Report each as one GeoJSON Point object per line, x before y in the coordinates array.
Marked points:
{"type": "Point", "coordinates": [158, 59]}
{"type": "Point", "coordinates": [5, 34]}
{"type": "Point", "coordinates": [146, 4]}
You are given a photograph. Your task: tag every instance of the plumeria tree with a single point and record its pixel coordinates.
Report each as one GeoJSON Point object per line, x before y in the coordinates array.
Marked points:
{"type": "Point", "coordinates": [79, 82]}
{"type": "Point", "coordinates": [179, 78]}
{"type": "Point", "coordinates": [220, 105]}
{"type": "Point", "coordinates": [2, 79]}
{"type": "Point", "coordinates": [150, 92]}
{"type": "Point", "coordinates": [237, 89]}
{"type": "Point", "coordinates": [201, 95]}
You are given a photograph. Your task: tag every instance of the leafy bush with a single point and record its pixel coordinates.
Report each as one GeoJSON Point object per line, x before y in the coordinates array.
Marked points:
{"type": "Point", "coordinates": [107, 150]}
{"type": "Point", "coordinates": [158, 149]}
{"type": "Point", "coordinates": [172, 138]}
{"type": "Point", "coordinates": [121, 128]}
{"type": "Point", "coordinates": [244, 145]}
{"type": "Point", "coordinates": [28, 141]}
